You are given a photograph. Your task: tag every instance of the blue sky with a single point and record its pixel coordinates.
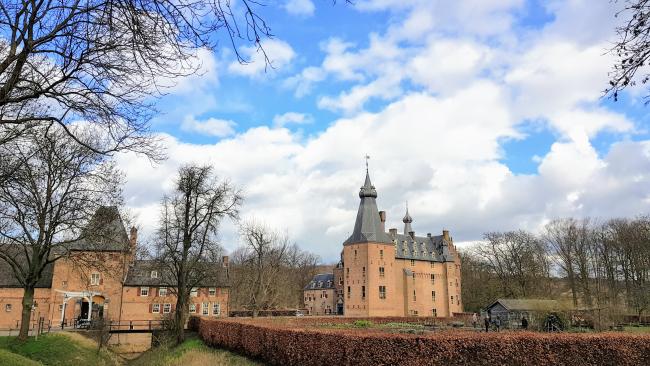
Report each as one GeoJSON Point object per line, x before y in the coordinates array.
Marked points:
{"type": "Point", "coordinates": [486, 115]}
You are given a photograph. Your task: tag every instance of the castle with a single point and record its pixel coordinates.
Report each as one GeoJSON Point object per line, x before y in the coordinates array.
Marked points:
{"type": "Point", "coordinates": [387, 273]}
{"type": "Point", "coordinates": [101, 278]}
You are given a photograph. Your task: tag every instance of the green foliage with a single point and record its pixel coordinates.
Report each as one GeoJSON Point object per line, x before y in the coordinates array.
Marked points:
{"type": "Point", "coordinates": [362, 323]}
{"type": "Point", "coordinates": [11, 359]}
{"type": "Point", "coordinates": [402, 325]}
{"type": "Point", "coordinates": [56, 349]}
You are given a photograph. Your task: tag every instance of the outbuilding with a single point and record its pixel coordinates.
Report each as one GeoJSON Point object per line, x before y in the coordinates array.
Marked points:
{"type": "Point", "coordinates": [511, 311]}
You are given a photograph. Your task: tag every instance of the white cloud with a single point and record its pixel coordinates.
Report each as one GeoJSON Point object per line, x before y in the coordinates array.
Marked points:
{"type": "Point", "coordinates": [279, 55]}
{"type": "Point", "coordinates": [300, 7]}
{"type": "Point", "coordinates": [211, 126]}
{"type": "Point", "coordinates": [282, 120]}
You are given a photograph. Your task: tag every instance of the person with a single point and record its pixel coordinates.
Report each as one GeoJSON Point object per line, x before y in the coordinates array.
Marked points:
{"type": "Point", "coordinates": [487, 324]}
{"type": "Point", "coordinates": [524, 323]}
{"type": "Point", "coordinates": [498, 322]}
{"type": "Point", "coordinates": [474, 320]}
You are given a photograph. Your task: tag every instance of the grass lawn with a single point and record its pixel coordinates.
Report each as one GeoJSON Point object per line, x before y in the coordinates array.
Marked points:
{"type": "Point", "coordinates": [191, 353]}
{"type": "Point", "coordinates": [641, 330]}
{"type": "Point", "coordinates": [53, 349]}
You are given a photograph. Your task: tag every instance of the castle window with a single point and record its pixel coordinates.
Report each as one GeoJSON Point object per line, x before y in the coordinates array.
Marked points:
{"type": "Point", "coordinates": [205, 308]}
{"type": "Point", "coordinates": [340, 280]}
{"type": "Point", "coordinates": [154, 274]}
{"type": "Point", "coordinates": [452, 299]}
{"type": "Point", "coordinates": [412, 262]}
{"type": "Point", "coordinates": [347, 271]}
{"type": "Point", "coordinates": [192, 308]}
{"type": "Point", "coordinates": [216, 308]}
{"type": "Point", "coordinates": [167, 308]}
{"type": "Point", "coordinates": [381, 254]}
{"type": "Point", "coordinates": [381, 271]}
{"type": "Point", "coordinates": [363, 270]}
{"type": "Point", "coordinates": [434, 312]}
{"type": "Point", "coordinates": [413, 276]}
{"type": "Point", "coordinates": [355, 253]}
{"type": "Point", "coordinates": [432, 262]}
{"type": "Point", "coordinates": [414, 297]}
{"type": "Point", "coordinates": [433, 279]}
{"type": "Point", "coordinates": [349, 292]}
{"type": "Point", "coordinates": [162, 291]}
{"type": "Point", "coordinates": [320, 283]}
{"type": "Point", "coordinates": [144, 291]}
{"type": "Point", "coordinates": [94, 279]}
{"type": "Point", "coordinates": [155, 308]}
{"type": "Point", "coordinates": [8, 307]}
{"type": "Point", "coordinates": [433, 296]}
{"type": "Point", "coordinates": [212, 291]}
{"type": "Point", "coordinates": [382, 292]}
{"type": "Point", "coordinates": [363, 292]}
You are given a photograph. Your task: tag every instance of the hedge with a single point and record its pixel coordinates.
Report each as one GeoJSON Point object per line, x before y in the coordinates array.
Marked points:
{"type": "Point", "coordinates": [282, 345]}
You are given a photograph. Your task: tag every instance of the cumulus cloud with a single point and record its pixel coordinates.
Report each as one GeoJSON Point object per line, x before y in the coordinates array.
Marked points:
{"type": "Point", "coordinates": [211, 126]}
{"type": "Point", "coordinates": [282, 120]}
{"type": "Point", "coordinates": [300, 7]}
{"type": "Point", "coordinates": [279, 55]}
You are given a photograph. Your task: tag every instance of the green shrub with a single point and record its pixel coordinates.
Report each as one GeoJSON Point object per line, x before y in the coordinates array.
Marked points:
{"type": "Point", "coordinates": [362, 323]}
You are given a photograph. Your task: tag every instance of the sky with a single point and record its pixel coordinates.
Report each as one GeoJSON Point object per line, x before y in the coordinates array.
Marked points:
{"type": "Point", "coordinates": [484, 115]}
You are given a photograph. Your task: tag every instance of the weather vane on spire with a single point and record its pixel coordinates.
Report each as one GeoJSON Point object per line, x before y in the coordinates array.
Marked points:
{"type": "Point", "coordinates": [367, 158]}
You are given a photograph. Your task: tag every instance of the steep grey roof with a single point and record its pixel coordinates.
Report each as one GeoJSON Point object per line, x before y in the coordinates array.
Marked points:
{"type": "Point", "coordinates": [104, 232]}
{"type": "Point", "coordinates": [429, 248]}
{"type": "Point", "coordinates": [407, 220]}
{"type": "Point", "coordinates": [139, 274]}
{"type": "Point", "coordinates": [321, 281]}
{"type": "Point", "coordinates": [7, 277]}
{"type": "Point", "coordinates": [527, 304]}
{"type": "Point", "coordinates": [368, 227]}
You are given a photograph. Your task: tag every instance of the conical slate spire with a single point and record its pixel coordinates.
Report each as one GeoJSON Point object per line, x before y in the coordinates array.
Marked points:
{"type": "Point", "coordinates": [407, 220]}
{"type": "Point", "coordinates": [367, 227]}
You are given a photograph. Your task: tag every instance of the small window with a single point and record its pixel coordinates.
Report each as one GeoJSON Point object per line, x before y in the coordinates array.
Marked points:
{"type": "Point", "coordinates": [452, 299]}
{"type": "Point", "coordinates": [433, 278]}
{"type": "Point", "coordinates": [363, 292]}
{"type": "Point", "coordinates": [192, 308]}
{"type": "Point", "coordinates": [194, 292]}
{"type": "Point", "coordinates": [349, 291]}
{"type": "Point", "coordinates": [64, 284]}
{"type": "Point", "coordinates": [340, 280]}
{"type": "Point", "coordinates": [94, 279]}
{"type": "Point", "coordinates": [205, 308]}
{"type": "Point", "coordinates": [216, 308]}
{"type": "Point", "coordinates": [381, 271]}
{"type": "Point", "coordinates": [144, 291]}
{"type": "Point", "coordinates": [414, 296]}
{"type": "Point", "coordinates": [355, 253]}
{"type": "Point", "coordinates": [162, 291]}
{"type": "Point", "coordinates": [433, 295]}
{"type": "Point", "coordinates": [60, 307]}
{"type": "Point", "coordinates": [381, 254]}
{"type": "Point", "coordinates": [412, 262]}
{"type": "Point", "coordinates": [8, 307]}
{"type": "Point", "coordinates": [434, 312]}
{"type": "Point", "coordinates": [155, 308]}
{"type": "Point", "coordinates": [432, 262]}
{"type": "Point", "coordinates": [382, 292]}
{"type": "Point", "coordinates": [154, 274]}
{"type": "Point", "coordinates": [167, 308]}
{"type": "Point", "coordinates": [347, 270]}
{"type": "Point", "coordinates": [212, 291]}
{"type": "Point", "coordinates": [363, 271]}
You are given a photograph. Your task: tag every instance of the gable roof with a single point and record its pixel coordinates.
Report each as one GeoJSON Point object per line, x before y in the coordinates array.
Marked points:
{"type": "Point", "coordinates": [321, 281]}
{"type": "Point", "coordinates": [104, 232]}
{"type": "Point", "coordinates": [526, 304]}
{"type": "Point", "coordinates": [368, 226]}
{"type": "Point", "coordinates": [139, 274]}
{"type": "Point", "coordinates": [7, 277]}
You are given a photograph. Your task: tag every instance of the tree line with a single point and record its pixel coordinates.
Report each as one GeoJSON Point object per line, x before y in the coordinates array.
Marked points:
{"type": "Point", "coordinates": [594, 264]}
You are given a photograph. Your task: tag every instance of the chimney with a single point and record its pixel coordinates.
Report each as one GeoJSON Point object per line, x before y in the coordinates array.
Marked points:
{"type": "Point", "coordinates": [382, 218]}
{"type": "Point", "coordinates": [445, 235]}
{"type": "Point", "coordinates": [428, 235]}
{"type": "Point", "coordinates": [133, 239]}
{"type": "Point", "coordinates": [412, 234]}
{"type": "Point", "coordinates": [393, 233]}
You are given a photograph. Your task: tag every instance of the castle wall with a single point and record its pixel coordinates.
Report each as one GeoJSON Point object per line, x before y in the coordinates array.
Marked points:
{"type": "Point", "coordinates": [320, 301]}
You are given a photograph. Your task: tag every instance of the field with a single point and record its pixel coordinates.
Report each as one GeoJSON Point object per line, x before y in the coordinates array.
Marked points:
{"type": "Point", "coordinates": [385, 341]}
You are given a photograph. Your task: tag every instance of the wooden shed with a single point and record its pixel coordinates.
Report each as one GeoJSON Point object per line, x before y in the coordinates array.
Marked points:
{"type": "Point", "coordinates": [510, 311]}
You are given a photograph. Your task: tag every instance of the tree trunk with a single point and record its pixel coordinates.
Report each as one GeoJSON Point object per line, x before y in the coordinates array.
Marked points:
{"type": "Point", "coordinates": [179, 319]}
{"type": "Point", "coordinates": [28, 300]}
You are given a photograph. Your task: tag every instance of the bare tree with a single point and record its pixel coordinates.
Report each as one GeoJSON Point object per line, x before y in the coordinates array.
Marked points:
{"type": "Point", "coordinates": [632, 49]}
{"type": "Point", "coordinates": [54, 188]}
{"type": "Point", "coordinates": [187, 237]}
{"type": "Point", "coordinates": [100, 61]}
{"type": "Point", "coordinates": [560, 236]}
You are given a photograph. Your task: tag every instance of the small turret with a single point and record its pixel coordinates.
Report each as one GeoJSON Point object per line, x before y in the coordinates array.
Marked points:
{"type": "Point", "coordinates": [407, 220]}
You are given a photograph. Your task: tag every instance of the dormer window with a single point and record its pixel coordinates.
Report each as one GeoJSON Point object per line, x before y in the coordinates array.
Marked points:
{"type": "Point", "coordinates": [154, 274]}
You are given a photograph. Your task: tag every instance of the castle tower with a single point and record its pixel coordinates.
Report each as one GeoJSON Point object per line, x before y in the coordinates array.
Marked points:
{"type": "Point", "coordinates": [407, 220]}
{"type": "Point", "coordinates": [368, 255]}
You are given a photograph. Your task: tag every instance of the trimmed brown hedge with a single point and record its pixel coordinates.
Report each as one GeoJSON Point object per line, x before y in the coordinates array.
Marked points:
{"type": "Point", "coordinates": [288, 346]}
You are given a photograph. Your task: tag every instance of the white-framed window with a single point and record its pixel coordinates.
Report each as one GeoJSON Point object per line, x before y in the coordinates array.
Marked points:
{"type": "Point", "coordinates": [382, 292]}
{"type": "Point", "coordinates": [154, 274]}
{"type": "Point", "coordinates": [433, 296]}
{"type": "Point", "coordinates": [144, 291]}
{"type": "Point", "coordinates": [205, 308]}
{"type": "Point", "coordinates": [216, 308]}
{"type": "Point", "coordinates": [194, 292]}
{"type": "Point", "coordinates": [162, 291]}
{"type": "Point", "coordinates": [192, 308]}
{"type": "Point", "coordinates": [94, 279]}
{"type": "Point", "coordinates": [167, 308]}
{"type": "Point", "coordinates": [433, 278]}
{"type": "Point", "coordinates": [434, 312]}
{"type": "Point", "coordinates": [8, 307]}
{"type": "Point", "coordinates": [381, 271]}
{"type": "Point", "coordinates": [155, 308]}
{"type": "Point", "coordinates": [212, 291]}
